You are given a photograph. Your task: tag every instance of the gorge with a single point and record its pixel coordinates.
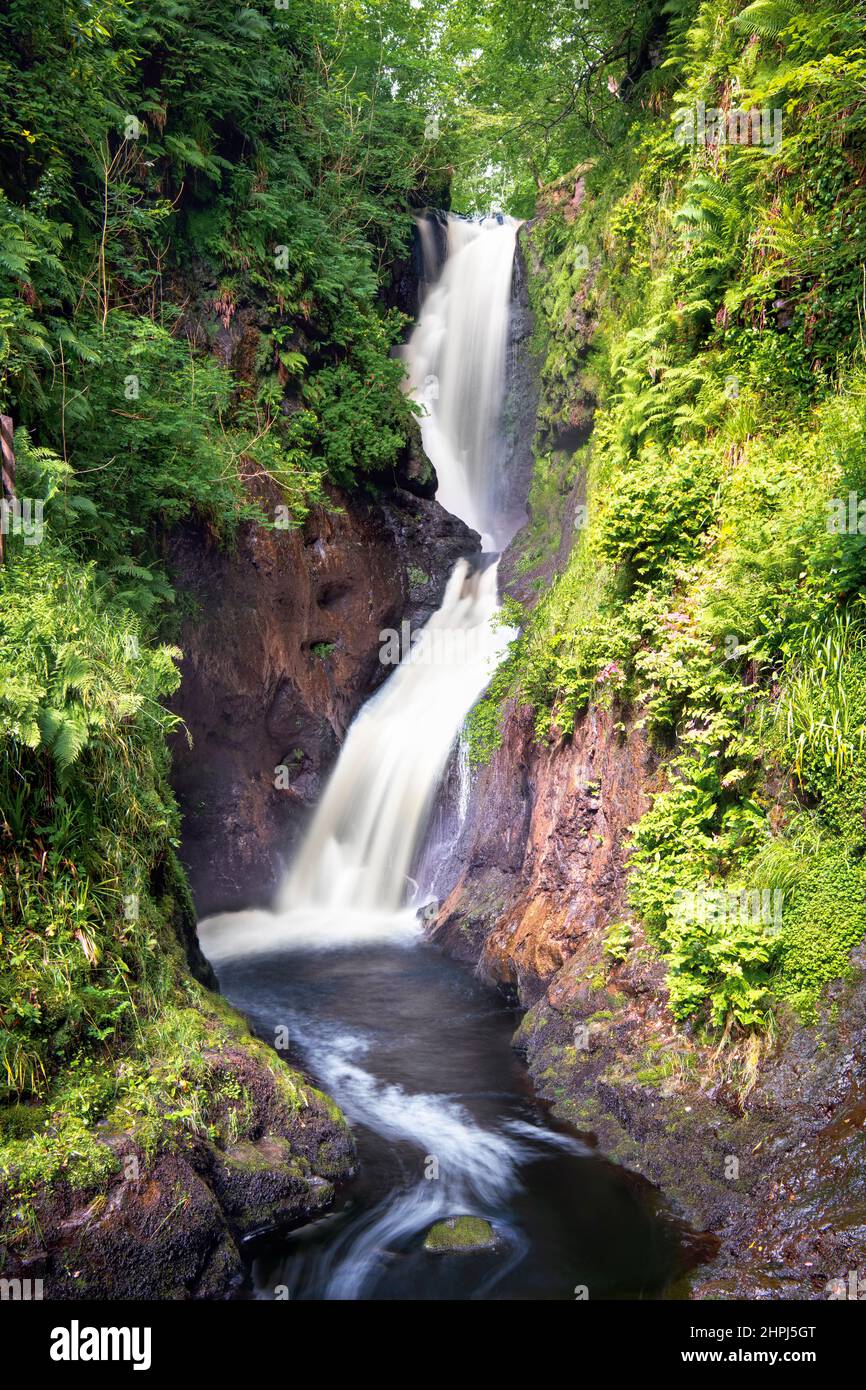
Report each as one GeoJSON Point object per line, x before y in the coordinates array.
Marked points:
{"type": "Point", "coordinates": [414, 1053]}
{"type": "Point", "coordinates": [443, 633]}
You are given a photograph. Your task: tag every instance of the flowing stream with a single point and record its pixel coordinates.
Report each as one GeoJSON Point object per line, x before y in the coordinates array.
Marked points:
{"type": "Point", "coordinates": [414, 1050]}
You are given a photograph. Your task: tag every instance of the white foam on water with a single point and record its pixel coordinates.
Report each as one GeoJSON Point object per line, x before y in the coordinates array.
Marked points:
{"type": "Point", "coordinates": [231, 935]}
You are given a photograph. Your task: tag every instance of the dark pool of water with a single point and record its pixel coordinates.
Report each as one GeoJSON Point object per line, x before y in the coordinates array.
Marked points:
{"type": "Point", "coordinates": [418, 1055]}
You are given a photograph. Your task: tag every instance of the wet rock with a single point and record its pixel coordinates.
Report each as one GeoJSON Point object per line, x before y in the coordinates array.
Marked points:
{"type": "Point", "coordinates": [171, 1227]}
{"type": "Point", "coordinates": [410, 278]}
{"type": "Point", "coordinates": [280, 649]}
{"type": "Point", "coordinates": [519, 404]}
{"type": "Point", "coordinates": [540, 862]}
{"type": "Point", "coordinates": [540, 549]}
{"type": "Point", "coordinates": [775, 1175]}
{"type": "Point", "coordinates": [260, 1185]}
{"type": "Point", "coordinates": [428, 542]}
{"type": "Point", "coordinates": [460, 1235]}
{"type": "Point", "coordinates": [162, 1236]}
{"type": "Point", "coordinates": [414, 471]}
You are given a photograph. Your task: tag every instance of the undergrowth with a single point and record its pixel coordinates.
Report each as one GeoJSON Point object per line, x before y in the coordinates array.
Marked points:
{"type": "Point", "coordinates": [710, 298]}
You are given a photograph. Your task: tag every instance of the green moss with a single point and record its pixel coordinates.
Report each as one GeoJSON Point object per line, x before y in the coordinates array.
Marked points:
{"type": "Point", "coordinates": [177, 1081]}
{"type": "Point", "coordinates": [460, 1234]}
{"type": "Point", "coordinates": [328, 1105]}
{"type": "Point", "coordinates": [825, 920]}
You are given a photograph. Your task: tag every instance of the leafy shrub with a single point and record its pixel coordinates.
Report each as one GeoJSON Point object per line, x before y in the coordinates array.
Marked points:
{"type": "Point", "coordinates": [87, 820]}
{"type": "Point", "coordinates": [721, 966]}
{"type": "Point", "coordinates": [717, 322]}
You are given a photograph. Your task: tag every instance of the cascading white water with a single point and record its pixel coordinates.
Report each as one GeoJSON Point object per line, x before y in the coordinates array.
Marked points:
{"type": "Point", "coordinates": [418, 1062]}
{"type": "Point", "coordinates": [456, 364]}
{"type": "Point", "coordinates": [351, 876]}
{"type": "Point", "coordinates": [429, 253]}
{"type": "Point", "coordinates": [349, 886]}
{"type": "Point", "coordinates": [352, 871]}
{"type": "Point", "coordinates": [360, 846]}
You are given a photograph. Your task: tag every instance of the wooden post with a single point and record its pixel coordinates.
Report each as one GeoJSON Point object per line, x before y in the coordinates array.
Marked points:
{"type": "Point", "coordinates": [7, 492]}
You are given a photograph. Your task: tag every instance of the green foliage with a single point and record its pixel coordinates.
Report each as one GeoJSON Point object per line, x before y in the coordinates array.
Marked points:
{"type": "Point", "coordinates": [175, 1085]}
{"type": "Point", "coordinates": [150, 155]}
{"type": "Point", "coordinates": [528, 89]}
{"type": "Point", "coordinates": [86, 816]}
{"type": "Point", "coordinates": [618, 940]}
{"type": "Point", "coordinates": [362, 414]}
{"type": "Point", "coordinates": [720, 967]}
{"type": "Point", "coordinates": [200, 213]}
{"type": "Point", "coordinates": [821, 712]}
{"type": "Point", "coordinates": [717, 322]}
{"type": "Point", "coordinates": [659, 510]}
{"type": "Point", "coordinates": [824, 920]}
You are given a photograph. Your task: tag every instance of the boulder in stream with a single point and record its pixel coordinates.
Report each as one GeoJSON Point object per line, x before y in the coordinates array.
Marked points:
{"type": "Point", "coordinates": [461, 1235]}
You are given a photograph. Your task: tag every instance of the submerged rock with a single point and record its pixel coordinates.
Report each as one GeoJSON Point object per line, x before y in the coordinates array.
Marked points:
{"type": "Point", "coordinates": [461, 1234]}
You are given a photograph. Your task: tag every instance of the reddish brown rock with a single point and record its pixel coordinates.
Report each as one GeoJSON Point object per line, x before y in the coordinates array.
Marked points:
{"type": "Point", "coordinates": [542, 859]}
{"type": "Point", "coordinates": [768, 1164]}
{"type": "Point", "coordinates": [280, 649]}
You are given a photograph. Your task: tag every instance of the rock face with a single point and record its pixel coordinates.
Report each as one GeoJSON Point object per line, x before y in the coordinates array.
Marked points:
{"type": "Point", "coordinates": [520, 403]}
{"type": "Point", "coordinates": [763, 1150]}
{"type": "Point", "coordinates": [802, 1233]}
{"type": "Point", "coordinates": [541, 548]}
{"type": "Point", "coordinates": [412, 275]}
{"type": "Point", "coordinates": [540, 860]}
{"type": "Point", "coordinates": [281, 648]}
{"type": "Point", "coordinates": [173, 1227]}
{"type": "Point", "coordinates": [775, 1177]}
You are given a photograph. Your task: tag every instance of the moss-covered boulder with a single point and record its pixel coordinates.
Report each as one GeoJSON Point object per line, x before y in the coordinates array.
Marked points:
{"type": "Point", "coordinates": [208, 1139]}
{"type": "Point", "coordinates": [461, 1235]}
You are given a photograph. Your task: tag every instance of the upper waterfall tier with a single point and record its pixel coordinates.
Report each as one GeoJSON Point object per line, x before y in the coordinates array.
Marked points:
{"type": "Point", "coordinates": [456, 364]}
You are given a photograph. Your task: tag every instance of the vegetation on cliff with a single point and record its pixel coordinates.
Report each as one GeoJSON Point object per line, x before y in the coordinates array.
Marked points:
{"type": "Point", "coordinates": [201, 215]}
{"type": "Point", "coordinates": [199, 211]}
{"type": "Point", "coordinates": [701, 285]}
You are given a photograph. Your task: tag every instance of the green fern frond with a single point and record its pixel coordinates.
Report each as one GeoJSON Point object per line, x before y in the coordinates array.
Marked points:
{"type": "Point", "coordinates": [767, 19]}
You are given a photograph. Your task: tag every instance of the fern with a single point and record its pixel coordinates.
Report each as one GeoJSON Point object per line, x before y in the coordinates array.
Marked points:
{"type": "Point", "coordinates": [65, 733]}
{"type": "Point", "coordinates": [767, 19]}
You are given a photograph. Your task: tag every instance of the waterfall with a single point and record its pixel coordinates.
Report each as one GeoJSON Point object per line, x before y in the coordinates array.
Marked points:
{"type": "Point", "coordinates": [428, 253]}
{"type": "Point", "coordinates": [416, 1059]}
{"type": "Point", "coordinates": [464, 774]}
{"type": "Point", "coordinates": [456, 364]}
{"type": "Point", "coordinates": [354, 864]}
{"type": "Point", "coordinates": [360, 846]}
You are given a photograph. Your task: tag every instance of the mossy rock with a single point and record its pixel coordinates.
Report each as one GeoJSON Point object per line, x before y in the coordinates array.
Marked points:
{"type": "Point", "coordinates": [461, 1234]}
